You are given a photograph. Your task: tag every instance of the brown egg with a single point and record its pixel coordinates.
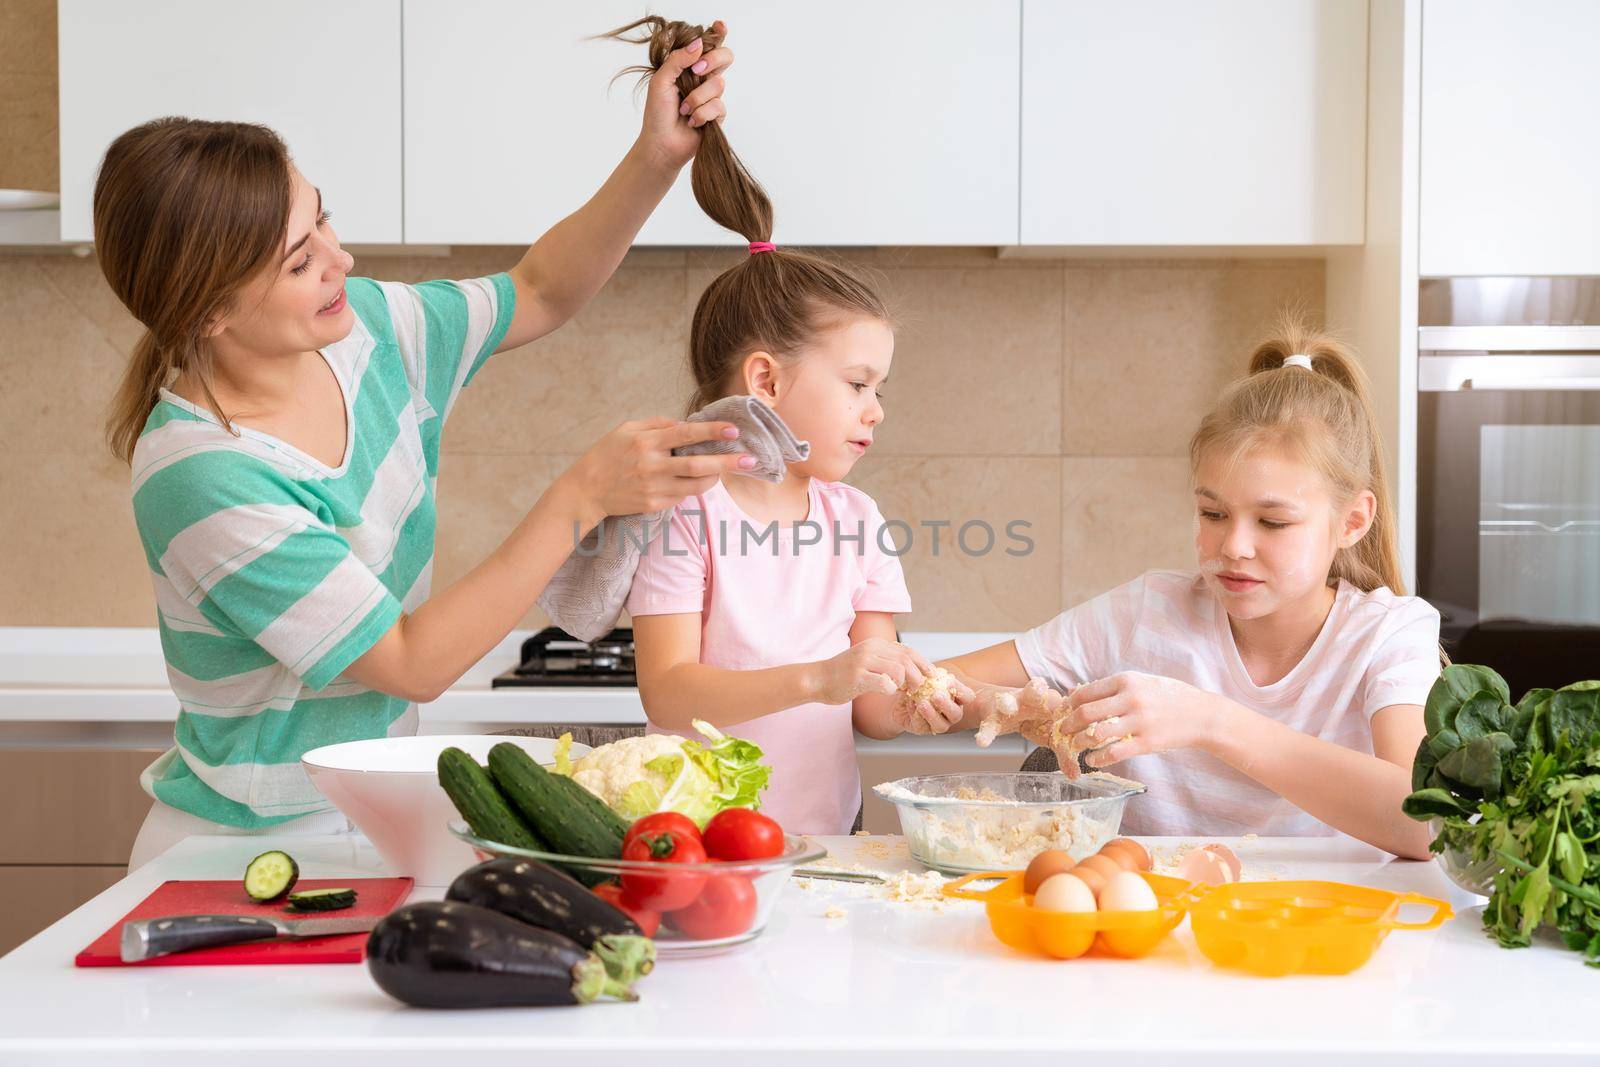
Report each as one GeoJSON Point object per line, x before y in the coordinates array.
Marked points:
{"type": "Point", "coordinates": [1093, 877]}
{"type": "Point", "coordinates": [1050, 862]}
{"type": "Point", "coordinates": [1103, 865]}
{"type": "Point", "coordinates": [1121, 857]}
{"type": "Point", "coordinates": [1135, 851]}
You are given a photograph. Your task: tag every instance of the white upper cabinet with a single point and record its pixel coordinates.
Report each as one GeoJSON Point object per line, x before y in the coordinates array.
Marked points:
{"type": "Point", "coordinates": [1193, 122]}
{"type": "Point", "coordinates": [1510, 180]}
{"type": "Point", "coordinates": [325, 76]}
{"type": "Point", "coordinates": [888, 122]}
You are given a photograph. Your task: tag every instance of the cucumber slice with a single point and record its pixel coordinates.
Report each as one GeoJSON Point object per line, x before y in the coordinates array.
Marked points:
{"type": "Point", "coordinates": [322, 900]}
{"type": "Point", "coordinates": [270, 875]}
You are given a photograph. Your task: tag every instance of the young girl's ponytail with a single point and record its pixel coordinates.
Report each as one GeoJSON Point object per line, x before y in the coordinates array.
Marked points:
{"type": "Point", "coordinates": [725, 190]}
{"type": "Point", "coordinates": [1325, 412]}
{"type": "Point", "coordinates": [776, 300]}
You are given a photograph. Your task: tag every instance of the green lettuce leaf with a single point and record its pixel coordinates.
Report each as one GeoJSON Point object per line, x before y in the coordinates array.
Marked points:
{"type": "Point", "coordinates": [733, 765]}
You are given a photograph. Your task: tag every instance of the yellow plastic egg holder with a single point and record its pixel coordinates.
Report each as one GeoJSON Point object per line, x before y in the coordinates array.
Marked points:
{"type": "Point", "coordinates": [1279, 928]}
{"type": "Point", "coordinates": [1068, 935]}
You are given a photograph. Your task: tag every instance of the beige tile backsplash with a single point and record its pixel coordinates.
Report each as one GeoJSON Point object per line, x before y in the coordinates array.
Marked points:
{"type": "Point", "coordinates": [1060, 393]}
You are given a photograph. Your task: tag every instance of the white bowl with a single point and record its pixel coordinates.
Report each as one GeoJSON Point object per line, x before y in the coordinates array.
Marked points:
{"type": "Point", "coordinates": [389, 787]}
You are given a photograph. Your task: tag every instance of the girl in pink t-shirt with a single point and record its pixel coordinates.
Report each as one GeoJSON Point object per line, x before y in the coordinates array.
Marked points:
{"type": "Point", "coordinates": [1278, 689]}
{"type": "Point", "coordinates": [769, 609]}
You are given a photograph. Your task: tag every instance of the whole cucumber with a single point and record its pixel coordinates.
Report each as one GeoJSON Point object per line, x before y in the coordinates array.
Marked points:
{"type": "Point", "coordinates": [549, 808]}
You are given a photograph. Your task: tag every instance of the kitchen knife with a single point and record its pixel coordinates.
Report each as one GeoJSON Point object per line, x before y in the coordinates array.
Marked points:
{"type": "Point", "coordinates": [147, 938]}
{"type": "Point", "coordinates": [829, 875]}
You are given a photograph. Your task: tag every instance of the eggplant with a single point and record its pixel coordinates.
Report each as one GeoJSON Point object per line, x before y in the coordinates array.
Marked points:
{"type": "Point", "coordinates": [538, 894]}
{"type": "Point", "coordinates": [443, 954]}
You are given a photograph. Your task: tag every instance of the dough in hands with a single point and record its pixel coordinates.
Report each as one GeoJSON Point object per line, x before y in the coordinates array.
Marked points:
{"type": "Point", "coordinates": [905, 708]}
{"type": "Point", "coordinates": [1069, 748]}
{"type": "Point", "coordinates": [1029, 711]}
{"type": "Point", "coordinates": [1040, 717]}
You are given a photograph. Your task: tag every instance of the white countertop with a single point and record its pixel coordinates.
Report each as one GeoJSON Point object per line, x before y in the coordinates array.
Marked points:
{"type": "Point", "coordinates": [117, 675]}
{"type": "Point", "coordinates": [887, 983]}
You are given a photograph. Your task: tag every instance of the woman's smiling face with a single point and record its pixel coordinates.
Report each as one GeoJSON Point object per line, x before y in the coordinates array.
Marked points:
{"type": "Point", "coordinates": [296, 304]}
{"type": "Point", "coordinates": [1267, 529]}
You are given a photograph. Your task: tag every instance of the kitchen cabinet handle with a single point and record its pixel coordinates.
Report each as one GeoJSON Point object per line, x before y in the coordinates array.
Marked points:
{"type": "Point", "coordinates": [1534, 384]}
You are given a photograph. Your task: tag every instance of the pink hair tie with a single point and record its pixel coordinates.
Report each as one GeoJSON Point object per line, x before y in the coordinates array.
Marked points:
{"type": "Point", "coordinates": [762, 246]}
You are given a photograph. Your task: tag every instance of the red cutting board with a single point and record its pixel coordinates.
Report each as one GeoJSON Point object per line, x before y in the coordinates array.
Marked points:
{"type": "Point", "coordinates": [374, 896]}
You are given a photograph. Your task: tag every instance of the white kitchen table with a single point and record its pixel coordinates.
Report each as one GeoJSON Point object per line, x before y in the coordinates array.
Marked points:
{"type": "Point", "coordinates": [885, 983]}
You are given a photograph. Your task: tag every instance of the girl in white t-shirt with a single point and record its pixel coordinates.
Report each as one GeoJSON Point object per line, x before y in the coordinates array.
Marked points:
{"type": "Point", "coordinates": [1278, 689]}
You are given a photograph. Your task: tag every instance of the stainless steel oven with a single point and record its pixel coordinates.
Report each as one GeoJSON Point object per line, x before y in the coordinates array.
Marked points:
{"type": "Point", "coordinates": [1508, 490]}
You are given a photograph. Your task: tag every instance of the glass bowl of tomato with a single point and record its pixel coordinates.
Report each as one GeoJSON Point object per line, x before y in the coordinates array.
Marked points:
{"type": "Point", "coordinates": [668, 882]}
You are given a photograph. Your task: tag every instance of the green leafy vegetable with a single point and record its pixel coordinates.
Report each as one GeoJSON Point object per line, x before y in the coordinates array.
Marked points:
{"type": "Point", "coordinates": [1519, 784]}
{"type": "Point", "coordinates": [733, 764]}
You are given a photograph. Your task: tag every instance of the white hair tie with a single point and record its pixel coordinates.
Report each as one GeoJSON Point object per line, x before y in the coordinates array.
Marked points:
{"type": "Point", "coordinates": [1299, 359]}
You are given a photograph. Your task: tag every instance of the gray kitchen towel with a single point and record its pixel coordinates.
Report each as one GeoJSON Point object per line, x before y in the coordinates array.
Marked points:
{"type": "Point", "coordinates": [585, 597]}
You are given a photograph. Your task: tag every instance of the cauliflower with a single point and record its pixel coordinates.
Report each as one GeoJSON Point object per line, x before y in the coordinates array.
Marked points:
{"type": "Point", "coordinates": [611, 770]}
{"type": "Point", "coordinates": [638, 776]}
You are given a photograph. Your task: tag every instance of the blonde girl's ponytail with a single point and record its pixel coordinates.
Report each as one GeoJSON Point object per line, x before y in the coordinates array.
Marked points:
{"type": "Point", "coordinates": [777, 299]}
{"type": "Point", "coordinates": [1325, 413]}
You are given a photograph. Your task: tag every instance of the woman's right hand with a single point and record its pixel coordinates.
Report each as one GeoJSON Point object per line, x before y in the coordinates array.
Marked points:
{"type": "Point", "coordinates": [632, 470]}
{"type": "Point", "coordinates": [872, 666]}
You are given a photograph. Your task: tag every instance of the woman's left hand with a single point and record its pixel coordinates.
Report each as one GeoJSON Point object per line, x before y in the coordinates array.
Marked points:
{"type": "Point", "coordinates": [1154, 714]}
{"type": "Point", "coordinates": [672, 121]}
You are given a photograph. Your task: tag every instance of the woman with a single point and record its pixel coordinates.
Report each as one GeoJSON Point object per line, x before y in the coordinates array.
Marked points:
{"type": "Point", "coordinates": [282, 423]}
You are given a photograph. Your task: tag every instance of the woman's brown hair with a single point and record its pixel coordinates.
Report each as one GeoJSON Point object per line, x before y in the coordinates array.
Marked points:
{"type": "Point", "coordinates": [1325, 416]}
{"type": "Point", "coordinates": [186, 212]}
{"type": "Point", "coordinates": [776, 301]}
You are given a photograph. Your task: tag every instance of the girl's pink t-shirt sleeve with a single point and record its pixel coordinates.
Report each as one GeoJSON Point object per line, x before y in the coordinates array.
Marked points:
{"type": "Point", "coordinates": [885, 588]}
{"type": "Point", "coordinates": [671, 579]}
{"type": "Point", "coordinates": [1405, 666]}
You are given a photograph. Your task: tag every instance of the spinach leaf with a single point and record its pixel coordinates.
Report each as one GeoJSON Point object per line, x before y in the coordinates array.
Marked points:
{"type": "Point", "coordinates": [1573, 717]}
{"type": "Point", "coordinates": [1443, 743]}
{"type": "Point", "coordinates": [1456, 684]}
{"type": "Point", "coordinates": [1422, 765]}
{"type": "Point", "coordinates": [1528, 710]}
{"type": "Point", "coordinates": [1437, 780]}
{"type": "Point", "coordinates": [1425, 804]}
{"type": "Point", "coordinates": [1481, 715]}
{"type": "Point", "coordinates": [1480, 763]}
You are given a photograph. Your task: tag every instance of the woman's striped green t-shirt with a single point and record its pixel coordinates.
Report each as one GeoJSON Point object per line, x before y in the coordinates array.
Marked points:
{"type": "Point", "coordinates": [274, 572]}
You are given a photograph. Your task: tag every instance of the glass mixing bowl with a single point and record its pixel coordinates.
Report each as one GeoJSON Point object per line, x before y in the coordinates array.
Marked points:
{"type": "Point", "coordinates": [961, 823]}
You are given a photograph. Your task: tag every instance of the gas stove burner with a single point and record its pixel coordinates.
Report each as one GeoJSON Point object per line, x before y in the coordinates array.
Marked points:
{"type": "Point", "coordinates": [553, 657]}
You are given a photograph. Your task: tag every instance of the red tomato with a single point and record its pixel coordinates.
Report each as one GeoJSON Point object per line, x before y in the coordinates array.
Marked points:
{"type": "Point", "coordinates": [669, 889]}
{"type": "Point", "coordinates": [725, 908]}
{"type": "Point", "coordinates": [742, 834]}
{"type": "Point", "coordinates": [648, 921]}
{"type": "Point", "coordinates": [662, 820]}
